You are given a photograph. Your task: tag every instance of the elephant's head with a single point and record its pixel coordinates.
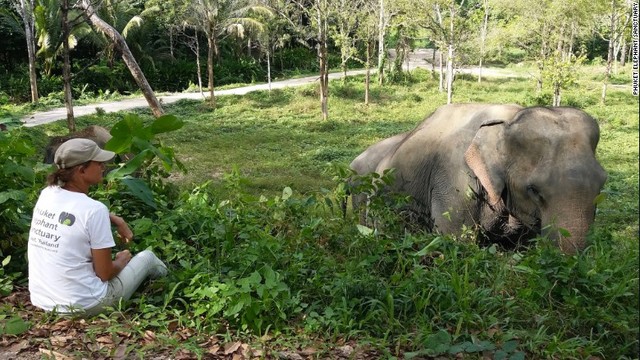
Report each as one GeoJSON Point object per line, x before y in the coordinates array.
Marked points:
{"type": "Point", "coordinates": [541, 167]}
{"type": "Point", "coordinates": [93, 132]}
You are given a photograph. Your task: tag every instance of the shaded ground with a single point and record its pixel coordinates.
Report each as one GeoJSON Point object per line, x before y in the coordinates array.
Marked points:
{"type": "Point", "coordinates": [120, 337]}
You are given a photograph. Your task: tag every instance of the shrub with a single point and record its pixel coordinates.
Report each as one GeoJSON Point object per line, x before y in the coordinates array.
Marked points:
{"type": "Point", "coordinates": [242, 70]}
{"type": "Point", "coordinates": [20, 181]}
{"type": "Point", "coordinates": [175, 75]}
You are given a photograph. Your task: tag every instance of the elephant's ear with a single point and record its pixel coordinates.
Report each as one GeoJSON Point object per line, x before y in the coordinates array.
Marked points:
{"type": "Point", "coordinates": [485, 158]}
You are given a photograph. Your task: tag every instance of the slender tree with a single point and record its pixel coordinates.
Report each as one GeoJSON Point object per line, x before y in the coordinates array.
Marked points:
{"type": "Point", "coordinates": [545, 29]}
{"type": "Point", "coordinates": [366, 36]}
{"type": "Point", "coordinates": [448, 23]}
{"type": "Point", "coordinates": [121, 45]}
{"type": "Point", "coordinates": [218, 18]}
{"type": "Point", "coordinates": [618, 18]}
{"type": "Point", "coordinates": [26, 10]}
{"type": "Point", "coordinates": [483, 37]}
{"type": "Point", "coordinates": [348, 17]}
{"type": "Point", "coordinates": [386, 13]}
{"type": "Point", "coordinates": [66, 68]}
{"type": "Point", "coordinates": [309, 20]}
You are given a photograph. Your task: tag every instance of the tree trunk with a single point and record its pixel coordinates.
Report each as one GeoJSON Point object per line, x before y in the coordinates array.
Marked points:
{"type": "Point", "coordinates": [344, 52]}
{"type": "Point", "coordinates": [623, 54]}
{"type": "Point", "coordinates": [543, 56]}
{"type": "Point", "coordinates": [25, 10]}
{"type": "Point", "coordinates": [269, 69]}
{"type": "Point", "coordinates": [450, 74]}
{"type": "Point", "coordinates": [450, 55]}
{"type": "Point", "coordinates": [211, 41]}
{"type": "Point", "coordinates": [556, 94]}
{"type": "Point", "coordinates": [324, 66]}
{"type": "Point", "coordinates": [66, 68]}
{"type": "Point", "coordinates": [367, 79]}
{"type": "Point", "coordinates": [129, 60]}
{"type": "Point", "coordinates": [381, 49]}
{"type": "Point", "coordinates": [607, 75]}
{"type": "Point", "coordinates": [171, 46]}
{"type": "Point", "coordinates": [198, 68]}
{"type": "Point", "coordinates": [436, 8]}
{"type": "Point", "coordinates": [441, 71]}
{"type": "Point", "coordinates": [483, 38]}
{"type": "Point", "coordinates": [433, 62]}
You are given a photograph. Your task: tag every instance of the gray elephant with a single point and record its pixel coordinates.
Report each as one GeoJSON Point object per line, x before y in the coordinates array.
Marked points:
{"type": "Point", "coordinates": [509, 172]}
{"type": "Point", "coordinates": [94, 132]}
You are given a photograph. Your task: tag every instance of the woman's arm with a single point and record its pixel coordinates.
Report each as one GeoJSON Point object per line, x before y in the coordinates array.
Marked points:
{"type": "Point", "coordinates": [105, 268]}
{"type": "Point", "coordinates": [121, 226]}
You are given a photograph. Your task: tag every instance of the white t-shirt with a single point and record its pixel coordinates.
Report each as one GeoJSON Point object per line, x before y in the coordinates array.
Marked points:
{"type": "Point", "coordinates": [66, 225]}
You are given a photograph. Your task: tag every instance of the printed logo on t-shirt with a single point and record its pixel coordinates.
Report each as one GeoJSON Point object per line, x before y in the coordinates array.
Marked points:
{"type": "Point", "coordinates": [66, 219]}
{"type": "Point", "coordinates": [44, 230]}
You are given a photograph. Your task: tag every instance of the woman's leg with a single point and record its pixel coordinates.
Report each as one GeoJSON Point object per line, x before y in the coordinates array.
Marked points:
{"type": "Point", "coordinates": [143, 265]}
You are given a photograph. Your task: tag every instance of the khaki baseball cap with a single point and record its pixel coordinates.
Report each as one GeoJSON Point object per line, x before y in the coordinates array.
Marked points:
{"type": "Point", "coordinates": [78, 151]}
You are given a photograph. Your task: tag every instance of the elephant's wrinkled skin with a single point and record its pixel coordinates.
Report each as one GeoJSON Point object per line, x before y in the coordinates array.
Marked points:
{"type": "Point", "coordinates": [511, 172]}
{"type": "Point", "coordinates": [94, 132]}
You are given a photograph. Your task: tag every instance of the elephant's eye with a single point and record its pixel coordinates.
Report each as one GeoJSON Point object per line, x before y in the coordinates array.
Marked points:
{"type": "Point", "coordinates": [533, 192]}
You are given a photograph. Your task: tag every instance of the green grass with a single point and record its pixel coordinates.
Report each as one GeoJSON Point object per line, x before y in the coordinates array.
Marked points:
{"type": "Point", "coordinates": [247, 259]}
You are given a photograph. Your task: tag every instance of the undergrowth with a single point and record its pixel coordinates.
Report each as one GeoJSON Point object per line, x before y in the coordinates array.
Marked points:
{"type": "Point", "coordinates": [258, 245]}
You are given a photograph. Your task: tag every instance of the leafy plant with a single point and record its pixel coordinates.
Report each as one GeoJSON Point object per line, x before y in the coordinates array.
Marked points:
{"type": "Point", "coordinates": [19, 180]}
{"type": "Point", "coordinates": [13, 325]}
{"type": "Point", "coordinates": [131, 136]}
{"type": "Point", "coordinates": [6, 280]}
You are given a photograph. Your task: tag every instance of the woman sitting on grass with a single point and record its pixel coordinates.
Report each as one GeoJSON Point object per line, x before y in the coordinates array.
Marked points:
{"type": "Point", "coordinates": [70, 241]}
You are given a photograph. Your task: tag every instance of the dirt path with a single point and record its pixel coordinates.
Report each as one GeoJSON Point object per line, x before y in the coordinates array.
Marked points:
{"type": "Point", "coordinates": [416, 59]}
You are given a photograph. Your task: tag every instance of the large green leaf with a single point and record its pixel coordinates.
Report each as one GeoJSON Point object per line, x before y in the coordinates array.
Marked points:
{"type": "Point", "coordinates": [14, 326]}
{"type": "Point", "coordinates": [142, 144]}
{"type": "Point", "coordinates": [23, 172]}
{"type": "Point", "coordinates": [17, 195]}
{"type": "Point", "coordinates": [139, 189]}
{"type": "Point", "coordinates": [119, 144]}
{"type": "Point", "coordinates": [125, 130]}
{"type": "Point", "coordinates": [166, 123]}
{"type": "Point", "coordinates": [130, 167]}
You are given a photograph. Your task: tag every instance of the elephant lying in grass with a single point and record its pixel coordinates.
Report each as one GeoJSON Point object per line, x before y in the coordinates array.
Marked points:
{"type": "Point", "coordinates": [94, 132]}
{"type": "Point", "coordinates": [509, 172]}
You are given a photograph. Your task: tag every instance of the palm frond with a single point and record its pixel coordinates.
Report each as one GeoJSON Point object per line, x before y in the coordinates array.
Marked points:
{"type": "Point", "coordinates": [11, 22]}
{"type": "Point", "coordinates": [134, 23]}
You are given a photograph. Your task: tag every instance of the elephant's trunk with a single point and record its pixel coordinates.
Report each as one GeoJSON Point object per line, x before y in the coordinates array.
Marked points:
{"type": "Point", "coordinates": [568, 225]}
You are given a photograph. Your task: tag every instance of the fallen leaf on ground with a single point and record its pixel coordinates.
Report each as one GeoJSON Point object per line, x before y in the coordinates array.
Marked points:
{"type": "Point", "coordinates": [288, 355]}
{"type": "Point", "coordinates": [60, 340]}
{"type": "Point", "coordinates": [308, 351]}
{"type": "Point", "coordinates": [61, 325]}
{"type": "Point", "coordinates": [214, 349]}
{"type": "Point", "coordinates": [345, 351]}
{"type": "Point", "coordinates": [149, 336]}
{"type": "Point", "coordinates": [231, 347]}
{"type": "Point", "coordinates": [106, 339]}
{"type": "Point", "coordinates": [120, 352]}
{"type": "Point", "coordinates": [17, 347]}
{"type": "Point", "coordinates": [56, 355]}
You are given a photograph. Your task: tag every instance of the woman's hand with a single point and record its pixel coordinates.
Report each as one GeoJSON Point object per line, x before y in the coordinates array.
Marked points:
{"type": "Point", "coordinates": [121, 227]}
{"type": "Point", "coordinates": [105, 268]}
{"type": "Point", "coordinates": [122, 258]}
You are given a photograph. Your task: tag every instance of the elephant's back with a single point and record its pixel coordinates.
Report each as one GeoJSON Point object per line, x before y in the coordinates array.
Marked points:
{"type": "Point", "coordinates": [369, 159]}
{"type": "Point", "coordinates": [445, 135]}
